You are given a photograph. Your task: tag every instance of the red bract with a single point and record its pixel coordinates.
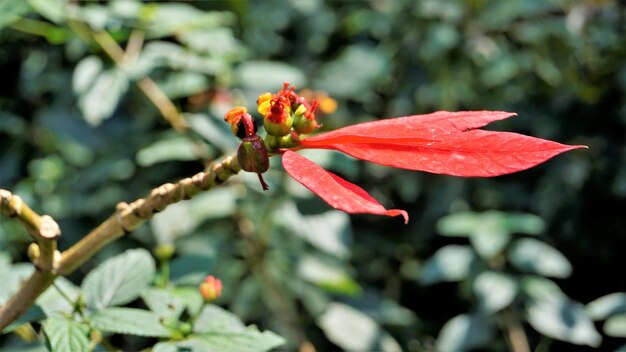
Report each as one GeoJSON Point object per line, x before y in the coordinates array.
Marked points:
{"type": "Point", "coordinates": [334, 190]}
{"type": "Point", "coordinates": [442, 142]}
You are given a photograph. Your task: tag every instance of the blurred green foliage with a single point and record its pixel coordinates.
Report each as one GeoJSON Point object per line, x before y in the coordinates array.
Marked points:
{"type": "Point", "coordinates": [77, 136]}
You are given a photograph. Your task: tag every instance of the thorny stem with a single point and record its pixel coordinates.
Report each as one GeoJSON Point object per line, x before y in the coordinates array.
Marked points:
{"type": "Point", "coordinates": [126, 219]}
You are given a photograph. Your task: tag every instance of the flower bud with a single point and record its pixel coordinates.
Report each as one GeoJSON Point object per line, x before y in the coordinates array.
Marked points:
{"type": "Point", "coordinates": [263, 103]}
{"type": "Point", "coordinates": [210, 288]}
{"type": "Point", "coordinates": [241, 123]}
{"type": "Point", "coordinates": [278, 121]}
{"type": "Point", "coordinates": [252, 156]}
{"type": "Point", "coordinates": [304, 119]}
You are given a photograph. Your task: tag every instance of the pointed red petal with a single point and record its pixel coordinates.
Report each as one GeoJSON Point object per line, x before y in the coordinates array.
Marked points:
{"type": "Point", "coordinates": [476, 153]}
{"type": "Point", "coordinates": [337, 192]}
{"type": "Point", "coordinates": [415, 129]}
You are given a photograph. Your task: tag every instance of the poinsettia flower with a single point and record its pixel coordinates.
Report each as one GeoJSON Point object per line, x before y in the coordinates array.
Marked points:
{"type": "Point", "coordinates": [443, 142]}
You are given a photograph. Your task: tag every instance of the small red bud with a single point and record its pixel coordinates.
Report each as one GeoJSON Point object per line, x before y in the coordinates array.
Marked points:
{"type": "Point", "coordinates": [210, 288]}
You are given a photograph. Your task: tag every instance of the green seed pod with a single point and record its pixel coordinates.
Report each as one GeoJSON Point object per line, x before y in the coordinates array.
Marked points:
{"type": "Point", "coordinates": [252, 155]}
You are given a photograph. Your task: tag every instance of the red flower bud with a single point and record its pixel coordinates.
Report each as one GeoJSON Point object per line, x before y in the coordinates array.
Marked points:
{"type": "Point", "coordinates": [278, 121]}
{"type": "Point", "coordinates": [210, 288]}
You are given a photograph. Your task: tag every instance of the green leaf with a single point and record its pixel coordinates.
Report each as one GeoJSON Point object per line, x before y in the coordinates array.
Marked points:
{"type": "Point", "coordinates": [65, 335]}
{"type": "Point", "coordinates": [191, 298]}
{"type": "Point", "coordinates": [99, 90]}
{"type": "Point", "coordinates": [216, 319]}
{"type": "Point", "coordinates": [129, 321]}
{"type": "Point", "coordinates": [450, 263]}
{"type": "Point", "coordinates": [616, 326]}
{"type": "Point", "coordinates": [490, 231]}
{"type": "Point", "coordinates": [353, 330]}
{"type": "Point", "coordinates": [329, 231]}
{"type": "Point", "coordinates": [221, 330]}
{"type": "Point", "coordinates": [193, 344]}
{"type": "Point", "coordinates": [465, 332]}
{"type": "Point", "coordinates": [54, 10]}
{"type": "Point", "coordinates": [175, 147]}
{"type": "Point", "coordinates": [165, 19]}
{"type": "Point", "coordinates": [534, 256]}
{"type": "Point", "coordinates": [563, 319]}
{"type": "Point", "coordinates": [248, 340]}
{"type": "Point", "coordinates": [261, 76]}
{"type": "Point", "coordinates": [163, 302]}
{"type": "Point", "coordinates": [605, 306]}
{"type": "Point", "coordinates": [11, 11]}
{"type": "Point", "coordinates": [119, 280]}
{"type": "Point", "coordinates": [537, 287]}
{"type": "Point", "coordinates": [213, 131]}
{"type": "Point", "coordinates": [494, 290]}
{"type": "Point", "coordinates": [327, 275]}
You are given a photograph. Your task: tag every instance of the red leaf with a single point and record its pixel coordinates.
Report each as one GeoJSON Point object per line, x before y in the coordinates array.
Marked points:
{"type": "Point", "coordinates": [415, 129]}
{"type": "Point", "coordinates": [476, 153]}
{"type": "Point", "coordinates": [337, 192]}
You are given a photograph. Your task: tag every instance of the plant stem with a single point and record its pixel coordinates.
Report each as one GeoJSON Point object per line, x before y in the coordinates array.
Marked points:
{"type": "Point", "coordinates": [515, 334]}
{"type": "Point", "coordinates": [126, 219]}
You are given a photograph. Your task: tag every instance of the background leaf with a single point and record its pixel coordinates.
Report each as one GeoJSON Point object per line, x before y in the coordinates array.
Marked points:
{"type": "Point", "coordinates": [534, 256]}
{"type": "Point", "coordinates": [119, 280]}
{"type": "Point", "coordinates": [450, 263]}
{"type": "Point", "coordinates": [563, 319]}
{"type": "Point", "coordinates": [464, 332]}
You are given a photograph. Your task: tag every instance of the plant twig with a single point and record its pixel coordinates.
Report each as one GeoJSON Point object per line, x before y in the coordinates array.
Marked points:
{"type": "Point", "coordinates": [515, 334]}
{"type": "Point", "coordinates": [42, 228]}
{"type": "Point", "coordinates": [127, 218]}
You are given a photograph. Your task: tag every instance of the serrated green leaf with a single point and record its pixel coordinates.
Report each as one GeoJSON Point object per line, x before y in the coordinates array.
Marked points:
{"type": "Point", "coordinates": [605, 306]}
{"type": "Point", "coordinates": [163, 302]}
{"type": "Point", "coordinates": [563, 319]}
{"type": "Point", "coordinates": [119, 280]}
{"type": "Point", "coordinates": [191, 298]}
{"type": "Point", "coordinates": [216, 319]}
{"type": "Point", "coordinates": [534, 256]}
{"type": "Point", "coordinates": [450, 263]}
{"type": "Point", "coordinates": [65, 335]}
{"type": "Point", "coordinates": [494, 290]}
{"type": "Point", "coordinates": [615, 326]}
{"type": "Point", "coordinates": [129, 321]}
{"type": "Point", "coordinates": [247, 340]}
{"type": "Point", "coordinates": [12, 10]}
{"type": "Point", "coordinates": [190, 345]}
{"type": "Point", "coordinates": [465, 332]}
